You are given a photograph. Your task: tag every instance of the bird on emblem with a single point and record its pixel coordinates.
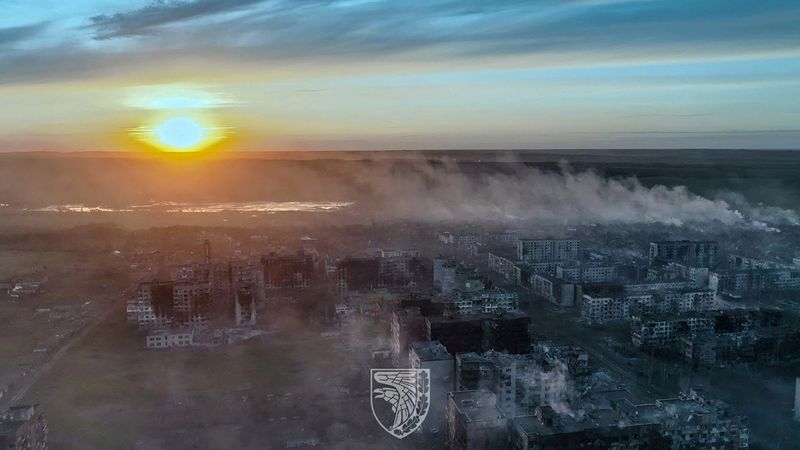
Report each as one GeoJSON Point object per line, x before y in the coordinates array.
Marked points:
{"type": "Point", "coordinates": [401, 393]}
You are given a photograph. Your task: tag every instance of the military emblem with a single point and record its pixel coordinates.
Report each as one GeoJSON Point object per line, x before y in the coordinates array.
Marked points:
{"type": "Point", "coordinates": [400, 399]}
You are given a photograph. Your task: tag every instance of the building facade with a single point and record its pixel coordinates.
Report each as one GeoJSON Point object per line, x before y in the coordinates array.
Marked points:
{"type": "Point", "coordinates": [432, 355]}
{"type": "Point", "coordinates": [536, 250]}
{"type": "Point", "coordinates": [693, 253]}
{"type": "Point", "coordinates": [474, 422]}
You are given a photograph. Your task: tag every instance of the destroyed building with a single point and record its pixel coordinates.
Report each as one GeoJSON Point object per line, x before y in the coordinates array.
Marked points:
{"type": "Point", "coordinates": [23, 428]}
{"type": "Point", "coordinates": [693, 253]}
{"type": "Point", "coordinates": [506, 331]}
{"type": "Point", "coordinates": [288, 271]}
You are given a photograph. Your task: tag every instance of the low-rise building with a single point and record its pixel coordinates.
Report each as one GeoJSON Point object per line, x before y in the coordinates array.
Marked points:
{"type": "Point", "coordinates": [159, 339]}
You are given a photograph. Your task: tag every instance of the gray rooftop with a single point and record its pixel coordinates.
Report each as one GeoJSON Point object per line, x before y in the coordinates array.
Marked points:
{"type": "Point", "coordinates": [476, 406]}
{"type": "Point", "coordinates": [431, 351]}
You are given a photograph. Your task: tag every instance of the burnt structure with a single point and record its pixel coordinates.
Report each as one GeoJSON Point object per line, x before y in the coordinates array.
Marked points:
{"type": "Point", "coordinates": [507, 331]}
{"type": "Point", "coordinates": [288, 271]}
{"type": "Point", "coordinates": [245, 305]}
{"type": "Point", "coordinates": [692, 253]}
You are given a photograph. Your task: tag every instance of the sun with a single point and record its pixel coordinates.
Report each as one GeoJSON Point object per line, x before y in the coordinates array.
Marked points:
{"type": "Point", "coordinates": [187, 132]}
{"type": "Point", "coordinates": [180, 133]}
{"type": "Point", "coordinates": [179, 118]}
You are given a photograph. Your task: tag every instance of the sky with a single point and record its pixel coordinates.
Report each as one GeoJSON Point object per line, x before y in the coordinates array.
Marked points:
{"type": "Point", "coordinates": [255, 75]}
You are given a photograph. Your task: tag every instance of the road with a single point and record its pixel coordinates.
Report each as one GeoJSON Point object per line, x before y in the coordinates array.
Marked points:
{"type": "Point", "coordinates": [547, 320]}
{"type": "Point", "coordinates": [21, 387]}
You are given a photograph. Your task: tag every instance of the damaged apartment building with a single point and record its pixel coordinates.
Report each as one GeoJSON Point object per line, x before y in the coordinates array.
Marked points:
{"type": "Point", "coordinates": [520, 382]}
{"type": "Point", "coordinates": [173, 312]}
{"type": "Point", "coordinates": [606, 419]}
{"type": "Point", "coordinates": [396, 269]}
{"type": "Point", "coordinates": [706, 339]}
{"type": "Point", "coordinates": [505, 331]}
{"type": "Point", "coordinates": [611, 304]}
{"type": "Point", "coordinates": [295, 271]}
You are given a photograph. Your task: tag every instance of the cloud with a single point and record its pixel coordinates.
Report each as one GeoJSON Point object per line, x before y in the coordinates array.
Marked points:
{"type": "Point", "coordinates": [316, 32]}
{"type": "Point", "coordinates": [314, 28]}
{"type": "Point", "coordinates": [13, 35]}
{"type": "Point", "coordinates": [147, 20]}
{"type": "Point", "coordinates": [480, 48]}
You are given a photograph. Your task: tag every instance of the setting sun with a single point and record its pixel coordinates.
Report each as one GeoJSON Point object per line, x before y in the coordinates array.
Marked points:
{"type": "Point", "coordinates": [179, 118]}
{"type": "Point", "coordinates": [180, 133]}
{"type": "Point", "coordinates": [189, 132]}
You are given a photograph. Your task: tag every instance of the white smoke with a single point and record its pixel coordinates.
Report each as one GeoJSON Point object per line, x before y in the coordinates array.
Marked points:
{"type": "Point", "coordinates": [444, 191]}
{"type": "Point", "coordinates": [761, 216]}
{"type": "Point", "coordinates": [552, 387]}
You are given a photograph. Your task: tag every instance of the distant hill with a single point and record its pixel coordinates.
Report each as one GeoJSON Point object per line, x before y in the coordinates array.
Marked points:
{"type": "Point", "coordinates": [382, 181]}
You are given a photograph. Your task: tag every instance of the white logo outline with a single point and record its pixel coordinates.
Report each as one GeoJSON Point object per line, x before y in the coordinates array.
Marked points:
{"type": "Point", "coordinates": [407, 391]}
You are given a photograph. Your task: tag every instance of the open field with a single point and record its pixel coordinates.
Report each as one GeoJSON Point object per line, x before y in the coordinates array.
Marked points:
{"type": "Point", "coordinates": [76, 287]}
{"type": "Point", "coordinates": [110, 392]}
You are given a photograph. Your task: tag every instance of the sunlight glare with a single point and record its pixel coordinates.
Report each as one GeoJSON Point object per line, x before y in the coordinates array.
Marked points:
{"type": "Point", "coordinates": [181, 133]}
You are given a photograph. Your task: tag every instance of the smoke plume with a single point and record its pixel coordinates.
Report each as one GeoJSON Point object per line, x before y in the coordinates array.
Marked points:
{"type": "Point", "coordinates": [446, 192]}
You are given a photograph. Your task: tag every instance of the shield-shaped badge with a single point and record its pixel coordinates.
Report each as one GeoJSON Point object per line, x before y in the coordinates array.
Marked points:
{"type": "Point", "coordinates": [405, 395]}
